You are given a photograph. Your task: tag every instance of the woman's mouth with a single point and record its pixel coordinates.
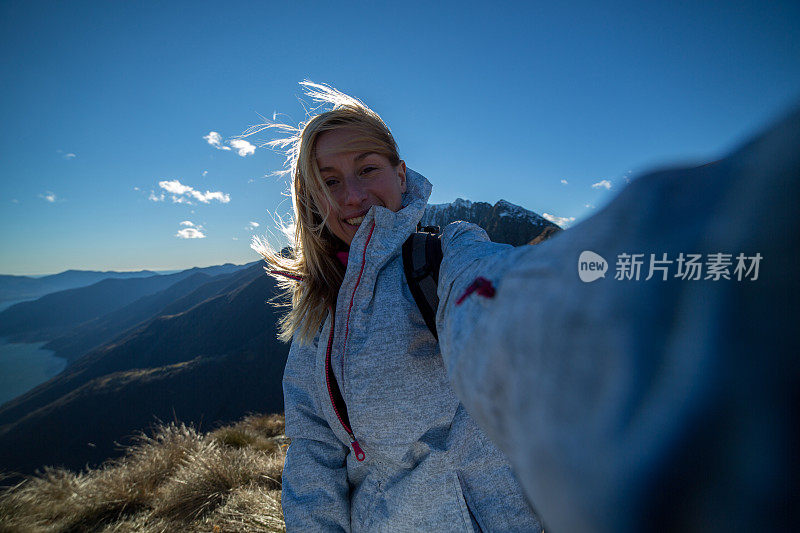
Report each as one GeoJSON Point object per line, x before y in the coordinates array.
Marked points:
{"type": "Point", "coordinates": [355, 221]}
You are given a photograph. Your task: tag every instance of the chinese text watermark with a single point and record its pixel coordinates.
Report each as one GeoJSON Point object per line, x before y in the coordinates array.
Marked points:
{"type": "Point", "coordinates": [684, 266]}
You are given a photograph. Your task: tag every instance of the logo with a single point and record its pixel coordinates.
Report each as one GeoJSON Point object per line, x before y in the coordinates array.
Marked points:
{"type": "Point", "coordinates": [591, 266]}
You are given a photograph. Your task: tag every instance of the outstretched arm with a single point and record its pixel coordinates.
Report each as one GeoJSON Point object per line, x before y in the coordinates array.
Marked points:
{"type": "Point", "coordinates": [625, 405]}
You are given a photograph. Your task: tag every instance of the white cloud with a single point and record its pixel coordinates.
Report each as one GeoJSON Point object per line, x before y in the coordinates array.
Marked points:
{"type": "Point", "coordinates": [190, 233]}
{"type": "Point", "coordinates": [205, 173]}
{"type": "Point", "coordinates": [235, 238]}
{"type": "Point", "coordinates": [244, 148]}
{"type": "Point", "coordinates": [14, 201]}
{"type": "Point", "coordinates": [49, 197]}
{"type": "Point", "coordinates": [564, 182]}
{"type": "Point", "coordinates": [174, 186]}
{"type": "Point", "coordinates": [182, 194]}
{"type": "Point", "coordinates": [136, 188]}
{"type": "Point", "coordinates": [252, 225]}
{"type": "Point", "coordinates": [215, 139]}
{"type": "Point", "coordinates": [155, 198]}
{"type": "Point", "coordinates": [66, 155]}
{"type": "Point", "coordinates": [589, 206]}
{"type": "Point", "coordinates": [561, 221]}
{"type": "Point", "coordinates": [601, 184]}
{"type": "Point", "coordinates": [207, 196]}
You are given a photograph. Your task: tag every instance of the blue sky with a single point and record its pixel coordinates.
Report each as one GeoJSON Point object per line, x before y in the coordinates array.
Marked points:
{"type": "Point", "coordinates": [108, 104]}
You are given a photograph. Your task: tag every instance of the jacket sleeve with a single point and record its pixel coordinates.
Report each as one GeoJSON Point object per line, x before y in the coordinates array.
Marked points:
{"type": "Point", "coordinates": [315, 493]}
{"type": "Point", "coordinates": [622, 403]}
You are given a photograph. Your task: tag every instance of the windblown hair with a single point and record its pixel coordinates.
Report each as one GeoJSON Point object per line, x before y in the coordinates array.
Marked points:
{"type": "Point", "coordinates": [309, 271]}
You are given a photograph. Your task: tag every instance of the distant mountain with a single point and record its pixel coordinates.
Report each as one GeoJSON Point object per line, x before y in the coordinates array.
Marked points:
{"type": "Point", "coordinates": [59, 313]}
{"type": "Point", "coordinates": [105, 328]}
{"type": "Point", "coordinates": [27, 287]}
{"type": "Point", "coordinates": [175, 299]}
{"type": "Point", "coordinates": [503, 221]}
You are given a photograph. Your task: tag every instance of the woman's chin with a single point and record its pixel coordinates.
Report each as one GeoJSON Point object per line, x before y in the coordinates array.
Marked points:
{"type": "Point", "coordinates": [350, 230]}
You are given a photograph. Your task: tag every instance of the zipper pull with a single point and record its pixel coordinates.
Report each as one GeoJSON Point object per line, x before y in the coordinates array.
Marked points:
{"type": "Point", "coordinates": [357, 449]}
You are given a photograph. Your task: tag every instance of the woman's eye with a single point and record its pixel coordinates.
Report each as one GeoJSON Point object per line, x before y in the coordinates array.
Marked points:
{"type": "Point", "coordinates": [330, 182]}
{"type": "Point", "coordinates": [367, 170]}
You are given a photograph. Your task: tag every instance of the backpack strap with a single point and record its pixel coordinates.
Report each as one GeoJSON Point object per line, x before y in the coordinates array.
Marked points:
{"type": "Point", "coordinates": [422, 256]}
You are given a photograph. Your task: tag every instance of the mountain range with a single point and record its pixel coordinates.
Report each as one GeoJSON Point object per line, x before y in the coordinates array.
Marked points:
{"type": "Point", "coordinates": [28, 287]}
{"type": "Point", "coordinates": [197, 346]}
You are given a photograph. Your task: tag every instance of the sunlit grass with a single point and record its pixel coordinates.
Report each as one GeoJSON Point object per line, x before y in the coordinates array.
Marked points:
{"type": "Point", "coordinates": [175, 480]}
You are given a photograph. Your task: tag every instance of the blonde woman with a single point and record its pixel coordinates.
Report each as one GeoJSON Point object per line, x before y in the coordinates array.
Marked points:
{"type": "Point", "coordinates": [379, 440]}
{"type": "Point", "coordinates": [630, 403]}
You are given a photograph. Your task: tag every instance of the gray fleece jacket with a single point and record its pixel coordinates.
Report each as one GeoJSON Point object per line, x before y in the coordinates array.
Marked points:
{"type": "Point", "coordinates": [409, 458]}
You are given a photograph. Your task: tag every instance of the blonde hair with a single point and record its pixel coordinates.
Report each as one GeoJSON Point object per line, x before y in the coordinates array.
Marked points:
{"type": "Point", "coordinates": [310, 272]}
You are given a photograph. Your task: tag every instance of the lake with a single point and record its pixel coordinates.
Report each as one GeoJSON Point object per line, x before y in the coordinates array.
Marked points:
{"type": "Point", "coordinates": [23, 366]}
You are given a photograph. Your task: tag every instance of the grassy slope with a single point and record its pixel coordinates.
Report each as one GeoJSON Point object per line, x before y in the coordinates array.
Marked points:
{"type": "Point", "coordinates": [175, 480]}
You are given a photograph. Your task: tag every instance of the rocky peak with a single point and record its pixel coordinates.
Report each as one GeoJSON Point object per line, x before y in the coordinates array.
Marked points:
{"type": "Point", "coordinates": [504, 222]}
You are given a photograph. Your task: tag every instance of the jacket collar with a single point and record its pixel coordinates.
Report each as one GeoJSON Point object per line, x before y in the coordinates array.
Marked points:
{"type": "Point", "coordinates": [391, 228]}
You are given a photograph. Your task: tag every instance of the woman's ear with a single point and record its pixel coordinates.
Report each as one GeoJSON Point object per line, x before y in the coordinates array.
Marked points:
{"type": "Point", "coordinates": [401, 173]}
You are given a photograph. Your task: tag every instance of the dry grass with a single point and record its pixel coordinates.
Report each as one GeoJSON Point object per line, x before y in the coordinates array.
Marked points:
{"type": "Point", "coordinates": [176, 480]}
{"type": "Point", "coordinates": [260, 432]}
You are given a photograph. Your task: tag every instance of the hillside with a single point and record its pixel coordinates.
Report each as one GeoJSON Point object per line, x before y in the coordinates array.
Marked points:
{"type": "Point", "coordinates": [178, 479]}
{"type": "Point", "coordinates": [212, 362]}
{"type": "Point", "coordinates": [59, 313]}
{"type": "Point", "coordinates": [173, 300]}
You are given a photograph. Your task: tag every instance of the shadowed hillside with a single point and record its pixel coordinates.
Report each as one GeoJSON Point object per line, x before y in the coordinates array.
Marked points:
{"type": "Point", "coordinates": [176, 479]}
{"type": "Point", "coordinates": [173, 300]}
{"type": "Point", "coordinates": [59, 313]}
{"type": "Point", "coordinates": [212, 362]}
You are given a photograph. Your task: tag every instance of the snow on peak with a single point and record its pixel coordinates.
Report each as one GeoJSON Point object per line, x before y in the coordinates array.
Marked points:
{"type": "Point", "coordinates": [438, 208]}
{"type": "Point", "coordinates": [460, 202]}
{"type": "Point", "coordinates": [502, 208]}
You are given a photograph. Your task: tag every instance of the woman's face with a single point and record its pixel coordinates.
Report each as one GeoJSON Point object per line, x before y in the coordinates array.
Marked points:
{"type": "Point", "coordinates": [356, 181]}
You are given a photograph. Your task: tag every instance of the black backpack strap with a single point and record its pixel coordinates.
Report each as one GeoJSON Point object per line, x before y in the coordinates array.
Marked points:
{"type": "Point", "coordinates": [422, 256]}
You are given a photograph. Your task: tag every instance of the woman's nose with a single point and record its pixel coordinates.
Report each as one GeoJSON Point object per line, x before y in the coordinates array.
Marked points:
{"type": "Point", "coordinates": [354, 192]}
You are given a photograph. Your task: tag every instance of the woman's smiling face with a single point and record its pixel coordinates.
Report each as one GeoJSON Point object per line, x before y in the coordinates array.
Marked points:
{"type": "Point", "coordinates": [356, 181]}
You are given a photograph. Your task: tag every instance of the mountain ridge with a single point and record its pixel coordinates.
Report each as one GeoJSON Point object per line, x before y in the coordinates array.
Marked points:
{"type": "Point", "coordinates": [13, 287]}
{"type": "Point", "coordinates": [504, 222]}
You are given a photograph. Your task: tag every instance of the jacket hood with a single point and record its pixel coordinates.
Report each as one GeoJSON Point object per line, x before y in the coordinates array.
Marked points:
{"type": "Point", "coordinates": [391, 229]}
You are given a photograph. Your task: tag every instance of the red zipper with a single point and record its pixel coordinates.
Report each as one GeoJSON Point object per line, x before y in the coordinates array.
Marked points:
{"type": "Point", "coordinates": [353, 441]}
{"type": "Point", "coordinates": [328, 370]}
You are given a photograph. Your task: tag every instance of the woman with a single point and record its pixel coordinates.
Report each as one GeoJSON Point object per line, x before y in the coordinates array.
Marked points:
{"type": "Point", "coordinates": [379, 440]}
